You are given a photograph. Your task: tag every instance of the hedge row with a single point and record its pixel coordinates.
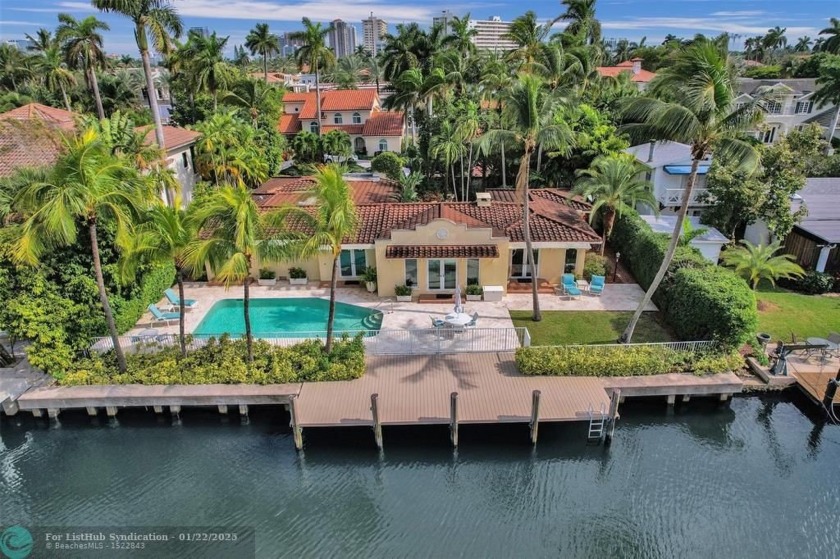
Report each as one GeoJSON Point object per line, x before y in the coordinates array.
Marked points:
{"type": "Point", "coordinates": [593, 361]}
{"type": "Point", "coordinates": [155, 281]}
{"type": "Point", "coordinates": [223, 361]}
{"type": "Point", "coordinates": [699, 300]}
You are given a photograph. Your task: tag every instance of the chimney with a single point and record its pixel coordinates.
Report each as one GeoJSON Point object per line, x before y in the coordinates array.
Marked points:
{"type": "Point", "coordinates": [483, 199]}
{"type": "Point", "coordinates": [650, 152]}
{"type": "Point", "coordinates": [637, 65]}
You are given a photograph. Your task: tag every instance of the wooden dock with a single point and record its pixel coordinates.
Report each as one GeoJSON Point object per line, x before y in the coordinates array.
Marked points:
{"type": "Point", "coordinates": [814, 384]}
{"type": "Point", "coordinates": [685, 385]}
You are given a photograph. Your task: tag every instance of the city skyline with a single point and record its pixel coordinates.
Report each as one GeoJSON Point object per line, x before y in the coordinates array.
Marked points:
{"type": "Point", "coordinates": [620, 18]}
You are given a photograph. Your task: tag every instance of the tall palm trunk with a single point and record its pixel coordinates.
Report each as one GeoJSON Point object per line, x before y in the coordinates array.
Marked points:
{"type": "Point", "coordinates": [829, 135]}
{"type": "Point", "coordinates": [504, 167]}
{"type": "Point", "coordinates": [331, 316]}
{"type": "Point", "coordinates": [317, 99]}
{"type": "Point", "coordinates": [265, 66]}
{"type": "Point", "coordinates": [462, 177]}
{"type": "Point", "coordinates": [454, 184]}
{"type": "Point", "coordinates": [64, 96]}
{"type": "Point", "coordinates": [609, 222]}
{"type": "Point", "coordinates": [103, 295]}
{"type": "Point", "coordinates": [246, 308]}
{"type": "Point", "coordinates": [522, 180]}
{"type": "Point", "coordinates": [150, 88]}
{"type": "Point", "coordinates": [94, 83]}
{"type": "Point", "coordinates": [179, 275]}
{"type": "Point", "coordinates": [469, 168]}
{"type": "Point", "coordinates": [627, 336]}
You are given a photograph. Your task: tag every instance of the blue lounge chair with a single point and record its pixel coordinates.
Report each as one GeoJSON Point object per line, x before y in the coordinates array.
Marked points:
{"type": "Point", "coordinates": [570, 287]}
{"type": "Point", "coordinates": [473, 322]}
{"type": "Point", "coordinates": [176, 301]}
{"type": "Point", "coordinates": [596, 286]}
{"type": "Point", "coordinates": [165, 317]}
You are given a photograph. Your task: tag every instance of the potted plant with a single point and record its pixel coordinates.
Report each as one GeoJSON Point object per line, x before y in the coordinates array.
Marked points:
{"type": "Point", "coordinates": [297, 276]}
{"type": "Point", "coordinates": [369, 277]}
{"type": "Point", "coordinates": [474, 292]}
{"type": "Point", "coordinates": [267, 277]}
{"type": "Point", "coordinates": [403, 293]}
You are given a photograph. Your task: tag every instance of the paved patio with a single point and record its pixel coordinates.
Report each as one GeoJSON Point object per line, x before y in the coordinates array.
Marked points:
{"type": "Point", "coordinates": [401, 316]}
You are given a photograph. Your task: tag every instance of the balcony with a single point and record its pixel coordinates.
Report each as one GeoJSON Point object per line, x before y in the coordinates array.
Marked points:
{"type": "Point", "coordinates": [673, 197]}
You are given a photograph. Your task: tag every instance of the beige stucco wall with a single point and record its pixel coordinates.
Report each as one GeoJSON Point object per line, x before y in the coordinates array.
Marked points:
{"type": "Point", "coordinates": [551, 264]}
{"type": "Point", "coordinates": [313, 270]}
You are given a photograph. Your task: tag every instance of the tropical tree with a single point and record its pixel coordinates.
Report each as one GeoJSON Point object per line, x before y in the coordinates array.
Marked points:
{"type": "Point", "coordinates": [447, 147]}
{"type": "Point", "coordinates": [207, 66]}
{"type": "Point", "coordinates": [306, 146]}
{"type": "Point", "coordinates": [757, 263]}
{"type": "Point", "coordinates": [704, 115]}
{"type": "Point", "coordinates": [527, 113]}
{"type": "Point", "coordinates": [408, 95]}
{"type": "Point", "coordinates": [408, 187]}
{"type": "Point", "coordinates": [461, 36]}
{"type": "Point", "coordinates": [231, 240]}
{"type": "Point", "coordinates": [87, 184]}
{"type": "Point", "coordinates": [831, 43]}
{"type": "Point", "coordinates": [314, 52]}
{"type": "Point", "coordinates": [828, 93]}
{"type": "Point", "coordinates": [613, 185]}
{"type": "Point", "coordinates": [775, 38]}
{"type": "Point", "coordinates": [582, 23]}
{"type": "Point", "coordinates": [52, 69]}
{"type": "Point", "coordinates": [164, 236]}
{"type": "Point", "coordinates": [82, 46]}
{"type": "Point", "coordinates": [333, 220]}
{"type": "Point", "coordinates": [529, 36]}
{"type": "Point", "coordinates": [159, 19]}
{"type": "Point", "coordinates": [14, 65]}
{"type": "Point", "coordinates": [803, 44]}
{"type": "Point", "coordinates": [241, 59]}
{"type": "Point", "coordinates": [263, 42]}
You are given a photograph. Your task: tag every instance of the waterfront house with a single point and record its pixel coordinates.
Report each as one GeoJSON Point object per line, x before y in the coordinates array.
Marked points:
{"type": "Point", "coordinates": [179, 145]}
{"type": "Point", "coordinates": [668, 165]}
{"type": "Point", "coordinates": [355, 111]}
{"type": "Point", "coordinates": [709, 243]}
{"type": "Point", "coordinates": [633, 68]}
{"type": "Point", "coordinates": [436, 246]}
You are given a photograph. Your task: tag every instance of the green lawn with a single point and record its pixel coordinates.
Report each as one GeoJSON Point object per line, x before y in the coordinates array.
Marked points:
{"type": "Point", "coordinates": [781, 313]}
{"type": "Point", "coordinates": [589, 327]}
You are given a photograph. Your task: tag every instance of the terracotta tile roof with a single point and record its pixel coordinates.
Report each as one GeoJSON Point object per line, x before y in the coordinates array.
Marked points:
{"type": "Point", "coordinates": [348, 99]}
{"type": "Point", "coordinates": [59, 118]}
{"type": "Point", "coordinates": [442, 251]}
{"type": "Point", "coordinates": [279, 191]}
{"type": "Point", "coordinates": [289, 124]}
{"type": "Point", "coordinates": [564, 197]}
{"type": "Point", "coordinates": [355, 129]}
{"type": "Point", "coordinates": [384, 124]}
{"type": "Point", "coordinates": [643, 76]}
{"type": "Point", "coordinates": [28, 144]}
{"type": "Point", "coordinates": [174, 137]}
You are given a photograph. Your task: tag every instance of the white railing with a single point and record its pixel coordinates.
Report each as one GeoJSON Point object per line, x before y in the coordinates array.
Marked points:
{"type": "Point", "coordinates": [691, 346]}
{"type": "Point", "coordinates": [673, 197]}
{"type": "Point", "coordinates": [424, 341]}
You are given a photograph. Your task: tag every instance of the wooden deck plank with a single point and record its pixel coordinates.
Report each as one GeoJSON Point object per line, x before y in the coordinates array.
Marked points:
{"type": "Point", "coordinates": [814, 384]}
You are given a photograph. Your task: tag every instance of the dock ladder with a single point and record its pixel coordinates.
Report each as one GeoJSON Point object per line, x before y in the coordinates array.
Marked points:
{"type": "Point", "coordinates": [596, 424]}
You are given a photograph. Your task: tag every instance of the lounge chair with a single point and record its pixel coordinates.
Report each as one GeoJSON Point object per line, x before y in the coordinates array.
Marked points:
{"type": "Point", "coordinates": [596, 286]}
{"type": "Point", "coordinates": [436, 322]}
{"type": "Point", "coordinates": [176, 301]}
{"type": "Point", "coordinates": [473, 322]}
{"type": "Point", "coordinates": [165, 317]}
{"type": "Point", "coordinates": [570, 287]}
{"type": "Point", "coordinates": [834, 339]}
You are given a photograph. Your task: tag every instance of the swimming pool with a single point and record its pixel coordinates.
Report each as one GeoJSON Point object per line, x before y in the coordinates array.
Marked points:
{"type": "Point", "coordinates": [282, 318]}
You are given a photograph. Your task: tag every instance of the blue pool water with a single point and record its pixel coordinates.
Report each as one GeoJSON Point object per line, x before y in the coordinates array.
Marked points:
{"type": "Point", "coordinates": [271, 318]}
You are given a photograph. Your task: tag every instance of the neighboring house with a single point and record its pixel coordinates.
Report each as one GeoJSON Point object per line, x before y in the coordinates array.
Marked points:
{"type": "Point", "coordinates": [356, 111]}
{"type": "Point", "coordinates": [633, 67]}
{"type": "Point", "coordinates": [788, 107]}
{"type": "Point", "coordinates": [436, 246]}
{"type": "Point", "coordinates": [814, 241]}
{"type": "Point", "coordinates": [179, 144]}
{"type": "Point", "coordinates": [31, 136]}
{"type": "Point", "coordinates": [669, 165]}
{"type": "Point", "coordinates": [709, 243]}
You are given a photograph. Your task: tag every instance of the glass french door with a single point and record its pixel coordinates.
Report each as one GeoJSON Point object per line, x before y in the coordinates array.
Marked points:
{"type": "Point", "coordinates": [353, 263]}
{"type": "Point", "coordinates": [519, 265]}
{"type": "Point", "coordinates": [443, 274]}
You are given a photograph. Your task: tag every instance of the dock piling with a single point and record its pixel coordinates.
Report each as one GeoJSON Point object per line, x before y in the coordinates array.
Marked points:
{"type": "Point", "coordinates": [297, 431]}
{"type": "Point", "coordinates": [37, 412]}
{"type": "Point", "coordinates": [535, 415]}
{"type": "Point", "coordinates": [672, 399]}
{"type": "Point", "coordinates": [686, 398]}
{"type": "Point", "coordinates": [243, 410]}
{"type": "Point", "coordinates": [111, 411]}
{"type": "Point", "coordinates": [377, 426]}
{"type": "Point", "coordinates": [92, 411]}
{"type": "Point", "coordinates": [453, 418]}
{"type": "Point", "coordinates": [223, 409]}
{"type": "Point", "coordinates": [52, 413]}
{"type": "Point", "coordinates": [10, 408]}
{"type": "Point", "coordinates": [615, 400]}
{"type": "Point", "coordinates": [158, 409]}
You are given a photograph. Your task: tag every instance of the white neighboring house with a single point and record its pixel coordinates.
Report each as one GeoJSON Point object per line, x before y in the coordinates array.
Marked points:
{"type": "Point", "coordinates": [709, 243]}
{"type": "Point", "coordinates": [180, 157]}
{"type": "Point", "coordinates": [790, 106]}
{"type": "Point", "coordinates": [669, 165]}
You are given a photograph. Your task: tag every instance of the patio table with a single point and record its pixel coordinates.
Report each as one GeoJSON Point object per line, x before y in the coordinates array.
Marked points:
{"type": "Point", "coordinates": [458, 319]}
{"type": "Point", "coordinates": [583, 285]}
{"type": "Point", "coordinates": [824, 346]}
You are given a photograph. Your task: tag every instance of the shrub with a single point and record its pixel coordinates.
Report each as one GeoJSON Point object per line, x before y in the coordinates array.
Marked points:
{"type": "Point", "coordinates": [369, 274]}
{"type": "Point", "coordinates": [388, 163]}
{"type": "Point", "coordinates": [222, 361]}
{"type": "Point", "coordinates": [764, 72]}
{"type": "Point", "coordinates": [474, 289]}
{"type": "Point", "coordinates": [812, 283]}
{"type": "Point", "coordinates": [297, 273]}
{"type": "Point", "coordinates": [267, 274]}
{"type": "Point", "coordinates": [152, 285]}
{"type": "Point", "coordinates": [594, 265]}
{"type": "Point", "coordinates": [594, 361]}
{"type": "Point", "coordinates": [402, 290]}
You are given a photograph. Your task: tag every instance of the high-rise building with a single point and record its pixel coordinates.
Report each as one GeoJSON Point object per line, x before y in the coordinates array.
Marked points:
{"type": "Point", "coordinates": [489, 34]}
{"type": "Point", "coordinates": [444, 20]}
{"type": "Point", "coordinates": [289, 46]}
{"type": "Point", "coordinates": [342, 38]}
{"type": "Point", "coordinates": [21, 44]}
{"type": "Point", "coordinates": [200, 31]}
{"type": "Point", "coordinates": [374, 30]}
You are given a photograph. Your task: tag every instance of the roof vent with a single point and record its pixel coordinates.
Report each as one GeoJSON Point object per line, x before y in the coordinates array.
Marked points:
{"type": "Point", "coordinates": [482, 199]}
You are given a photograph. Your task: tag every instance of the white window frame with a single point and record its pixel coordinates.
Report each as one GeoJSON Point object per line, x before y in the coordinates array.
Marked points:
{"type": "Point", "coordinates": [313, 127]}
{"type": "Point", "coordinates": [338, 119]}
{"type": "Point", "coordinates": [416, 280]}
{"type": "Point", "coordinates": [357, 118]}
{"type": "Point", "coordinates": [355, 273]}
{"type": "Point", "coordinates": [441, 274]}
{"type": "Point", "coordinates": [477, 271]}
{"type": "Point", "coordinates": [381, 142]}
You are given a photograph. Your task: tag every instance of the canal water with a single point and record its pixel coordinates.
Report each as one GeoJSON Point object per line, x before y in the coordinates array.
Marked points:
{"type": "Point", "coordinates": [756, 479]}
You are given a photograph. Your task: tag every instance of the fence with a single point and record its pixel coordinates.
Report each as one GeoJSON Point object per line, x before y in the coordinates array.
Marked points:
{"type": "Point", "coordinates": [693, 346]}
{"type": "Point", "coordinates": [424, 341]}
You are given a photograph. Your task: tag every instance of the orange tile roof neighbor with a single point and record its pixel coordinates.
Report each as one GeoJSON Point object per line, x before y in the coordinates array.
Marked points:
{"type": "Point", "coordinates": [384, 124]}
{"type": "Point", "coordinates": [293, 190]}
{"type": "Point", "coordinates": [289, 124]}
{"type": "Point", "coordinates": [348, 99]}
{"type": "Point", "coordinates": [49, 115]}
{"type": "Point", "coordinates": [174, 137]}
{"type": "Point", "coordinates": [349, 128]}
{"type": "Point", "coordinates": [642, 76]}
{"type": "Point", "coordinates": [27, 144]}
{"type": "Point", "coordinates": [442, 251]}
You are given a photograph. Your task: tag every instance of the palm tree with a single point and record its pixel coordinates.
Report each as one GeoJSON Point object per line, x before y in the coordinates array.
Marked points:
{"type": "Point", "coordinates": [14, 65]}
{"type": "Point", "coordinates": [530, 38]}
{"type": "Point", "coordinates": [82, 45]}
{"type": "Point", "coordinates": [446, 146]}
{"type": "Point", "coordinates": [316, 54]}
{"type": "Point", "coordinates": [803, 44]}
{"type": "Point", "coordinates": [705, 117]}
{"type": "Point", "coordinates": [207, 66]}
{"type": "Point", "coordinates": [155, 17]}
{"type": "Point", "coordinates": [233, 239]}
{"type": "Point", "coordinates": [262, 41]}
{"type": "Point", "coordinates": [757, 263]}
{"type": "Point", "coordinates": [613, 185]}
{"type": "Point", "coordinates": [51, 66]}
{"type": "Point", "coordinates": [250, 95]}
{"type": "Point", "coordinates": [241, 59]}
{"type": "Point", "coordinates": [163, 237]}
{"type": "Point", "coordinates": [408, 95]}
{"type": "Point", "coordinates": [527, 114]}
{"type": "Point", "coordinates": [775, 38]}
{"type": "Point", "coordinates": [831, 43]}
{"type": "Point", "coordinates": [408, 187]}
{"type": "Point", "coordinates": [828, 93]}
{"type": "Point", "coordinates": [461, 36]}
{"type": "Point", "coordinates": [582, 22]}
{"type": "Point", "coordinates": [88, 184]}
{"type": "Point", "coordinates": [333, 221]}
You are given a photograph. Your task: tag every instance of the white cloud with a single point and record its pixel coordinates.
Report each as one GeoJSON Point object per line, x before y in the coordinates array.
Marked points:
{"type": "Point", "coordinates": [20, 23]}
{"type": "Point", "coordinates": [696, 24]}
{"type": "Point", "coordinates": [739, 13]}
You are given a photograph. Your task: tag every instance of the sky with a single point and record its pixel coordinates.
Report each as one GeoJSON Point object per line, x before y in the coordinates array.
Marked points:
{"type": "Point", "coordinates": [631, 19]}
